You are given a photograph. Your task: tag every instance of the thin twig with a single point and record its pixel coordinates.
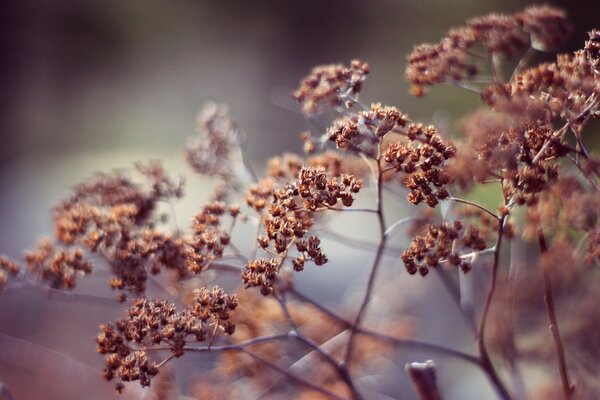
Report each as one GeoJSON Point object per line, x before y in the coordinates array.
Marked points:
{"type": "Point", "coordinates": [407, 343]}
{"type": "Point", "coordinates": [568, 388]}
{"type": "Point", "coordinates": [486, 361]}
{"type": "Point", "coordinates": [376, 261]}
{"type": "Point", "coordinates": [424, 379]}
{"type": "Point", "coordinates": [472, 204]}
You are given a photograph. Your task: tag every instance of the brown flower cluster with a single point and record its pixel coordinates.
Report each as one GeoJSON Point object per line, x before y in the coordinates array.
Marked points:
{"type": "Point", "coordinates": [566, 211]}
{"type": "Point", "coordinates": [363, 131]}
{"type": "Point", "coordinates": [261, 273]}
{"type": "Point", "coordinates": [422, 156]}
{"type": "Point", "coordinates": [8, 268]}
{"type": "Point", "coordinates": [592, 50]}
{"type": "Point", "coordinates": [565, 88]}
{"type": "Point", "coordinates": [453, 60]}
{"type": "Point", "coordinates": [523, 154]}
{"type": "Point", "coordinates": [442, 244]}
{"type": "Point", "coordinates": [215, 150]}
{"type": "Point", "coordinates": [151, 323]}
{"type": "Point", "coordinates": [331, 86]}
{"type": "Point", "coordinates": [288, 219]}
{"type": "Point", "coordinates": [115, 217]}
{"type": "Point", "coordinates": [209, 238]}
{"type": "Point", "coordinates": [58, 268]}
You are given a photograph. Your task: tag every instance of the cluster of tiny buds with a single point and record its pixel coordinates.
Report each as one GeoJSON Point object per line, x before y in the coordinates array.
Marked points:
{"type": "Point", "coordinates": [592, 50]}
{"type": "Point", "coordinates": [261, 273]}
{"type": "Point", "coordinates": [209, 238]}
{"type": "Point", "coordinates": [540, 27]}
{"type": "Point", "coordinates": [156, 322]}
{"type": "Point", "coordinates": [310, 250]}
{"type": "Point", "coordinates": [288, 219]}
{"type": "Point", "coordinates": [440, 243]}
{"type": "Point", "coordinates": [214, 150]}
{"type": "Point", "coordinates": [8, 268]}
{"type": "Point", "coordinates": [564, 89]}
{"type": "Point", "coordinates": [318, 190]}
{"type": "Point", "coordinates": [422, 158]}
{"type": "Point", "coordinates": [331, 86]}
{"type": "Point", "coordinates": [58, 268]}
{"type": "Point", "coordinates": [366, 128]}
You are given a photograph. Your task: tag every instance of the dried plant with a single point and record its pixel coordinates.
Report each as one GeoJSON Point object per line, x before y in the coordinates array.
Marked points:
{"type": "Point", "coordinates": [527, 141]}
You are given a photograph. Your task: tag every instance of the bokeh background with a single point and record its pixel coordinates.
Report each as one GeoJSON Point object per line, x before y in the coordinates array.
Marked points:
{"type": "Point", "coordinates": [96, 85]}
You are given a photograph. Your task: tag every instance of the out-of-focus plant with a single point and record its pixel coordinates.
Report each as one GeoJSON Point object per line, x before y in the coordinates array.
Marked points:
{"type": "Point", "coordinates": [527, 141]}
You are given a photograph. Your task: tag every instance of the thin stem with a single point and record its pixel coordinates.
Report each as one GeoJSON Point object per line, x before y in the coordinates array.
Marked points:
{"type": "Point", "coordinates": [584, 173]}
{"type": "Point", "coordinates": [486, 361]}
{"type": "Point", "coordinates": [494, 68]}
{"type": "Point", "coordinates": [355, 243]}
{"type": "Point", "coordinates": [568, 388]}
{"type": "Point", "coordinates": [293, 377]}
{"type": "Point", "coordinates": [341, 368]}
{"type": "Point", "coordinates": [228, 347]}
{"type": "Point", "coordinates": [398, 224]}
{"type": "Point", "coordinates": [408, 343]}
{"type": "Point", "coordinates": [295, 333]}
{"type": "Point", "coordinates": [367, 210]}
{"type": "Point", "coordinates": [465, 86]}
{"type": "Point", "coordinates": [522, 62]}
{"type": "Point", "coordinates": [472, 204]}
{"type": "Point", "coordinates": [454, 293]}
{"type": "Point", "coordinates": [375, 265]}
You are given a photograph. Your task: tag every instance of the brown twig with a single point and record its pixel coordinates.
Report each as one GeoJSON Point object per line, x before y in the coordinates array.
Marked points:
{"type": "Point", "coordinates": [486, 362]}
{"type": "Point", "coordinates": [424, 379]}
{"type": "Point", "coordinates": [568, 388]}
{"type": "Point", "coordinates": [376, 261]}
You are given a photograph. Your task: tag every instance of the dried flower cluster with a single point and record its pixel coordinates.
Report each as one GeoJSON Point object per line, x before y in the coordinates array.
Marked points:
{"type": "Point", "coordinates": [289, 218]}
{"type": "Point", "coordinates": [58, 268]}
{"type": "Point", "coordinates": [565, 89]}
{"type": "Point", "coordinates": [7, 268]}
{"type": "Point", "coordinates": [527, 147]}
{"type": "Point", "coordinates": [209, 238]}
{"type": "Point", "coordinates": [451, 60]}
{"type": "Point", "coordinates": [151, 323]}
{"type": "Point", "coordinates": [213, 152]}
{"type": "Point", "coordinates": [442, 244]}
{"type": "Point", "coordinates": [115, 217]}
{"type": "Point", "coordinates": [363, 131]}
{"type": "Point", "coordinates": [421, 157]}
{"type": "Point", "coordinates": [331, 86]}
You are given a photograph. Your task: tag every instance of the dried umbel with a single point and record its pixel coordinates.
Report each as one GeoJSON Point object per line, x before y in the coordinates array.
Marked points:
{"type": "Point", "coordinates": [57, 268]}
{"type": "Point", "coordinates": [454, 59]}
{"type": "Point", "coordinates": [440, 244]}
{"type": "Point", "coordinates": [216, 148]}
{"type": "Point", "coordinates": [331, 86]}
{"type": "Point", "coordinates": [362, 132]}
{"type": "Point", "coordinates": [289, 218]}
{"type": "Point", "coordinates": [115, 217]}
{"type": "Point", "coordinates": [209, 238]}
{"type": "Point", "coordinates": [592, 50]}
{"type": "Point", "coordinates": [157, 324]}
{"type": "Point", "coordinates": [528, 148]}
{"type": "Point", "coordinates": [565, 88]}
{"type": "Point", "coordinates": [8, 268]}
{"type": "Point", "coordinates": [421, 156]}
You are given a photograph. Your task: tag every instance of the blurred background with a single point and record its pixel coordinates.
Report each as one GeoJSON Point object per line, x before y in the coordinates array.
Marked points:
{"type": "Point", "coordinates": [97, 85]}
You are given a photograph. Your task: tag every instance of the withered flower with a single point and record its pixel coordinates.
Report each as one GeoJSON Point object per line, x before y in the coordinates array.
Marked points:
{"type": "Point", "coordinates": [331, 86]}
{"type": "Point", "coordinates": [442, 244]}
{"type": "Point", "coordinates": [151, 323]}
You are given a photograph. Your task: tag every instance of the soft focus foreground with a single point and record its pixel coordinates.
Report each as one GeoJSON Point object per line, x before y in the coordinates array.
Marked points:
{"type": "Point", "coordinates": [505, 234]}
